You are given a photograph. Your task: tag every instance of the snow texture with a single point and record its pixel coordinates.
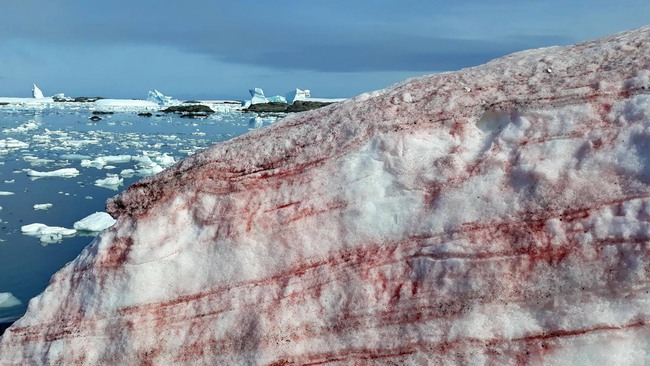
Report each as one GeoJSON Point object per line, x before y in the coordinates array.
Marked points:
{"type": "Point", "coordinates": [496, 215]}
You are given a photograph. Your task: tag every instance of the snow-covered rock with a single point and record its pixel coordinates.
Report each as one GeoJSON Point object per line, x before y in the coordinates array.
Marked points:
{"type": "Point", "coordinates": [37, 93]}
{"type": "Point", "coordinates": [495, 215]}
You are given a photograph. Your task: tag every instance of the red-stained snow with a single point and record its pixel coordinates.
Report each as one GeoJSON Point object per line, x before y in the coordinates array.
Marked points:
{"type": "Point", "coordinates": [495, 215]}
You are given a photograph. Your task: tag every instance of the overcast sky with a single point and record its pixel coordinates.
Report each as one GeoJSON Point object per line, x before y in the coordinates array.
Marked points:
{"type": "Point", "coordinates": [217, 49]}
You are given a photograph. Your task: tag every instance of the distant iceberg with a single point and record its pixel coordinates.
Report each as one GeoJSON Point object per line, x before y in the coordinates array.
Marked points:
{"type": "Point", "coordinates": [160, 99]}
{"type": "Point", "coordinates": [7, 300]}
{"type": "Point", "coordinates": [257, 96]}
{"type": "Point", "coordinates": [298, 94]}
{"type": "Point", "coordinates": [37, 93]}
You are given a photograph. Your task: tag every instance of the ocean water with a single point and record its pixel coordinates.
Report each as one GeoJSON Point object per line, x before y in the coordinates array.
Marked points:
{"type": "Point", "coordinates": [63, 138]}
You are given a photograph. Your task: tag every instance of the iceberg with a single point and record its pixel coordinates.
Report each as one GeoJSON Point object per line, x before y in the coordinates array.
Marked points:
{"type": "Point", "coordinates": [95, 222]}
{"type": "Point", "coordinates": [8, 300]}
{"type": "Point", "coordinates": [37, 93]}
{"type": "Point", "coordinates": [298, 94]}
{"type": "Point", "coordinates": [497, 215]}
{"type": "Point", "coordinates": [277, 99]}
{"type": "Point", "coordinates": [257, 96]}
{"type": "Point", "coordinates": [159, 98]}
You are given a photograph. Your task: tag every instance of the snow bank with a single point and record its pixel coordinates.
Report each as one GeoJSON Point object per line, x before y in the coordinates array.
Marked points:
{"type": "Point", "coordinates": [497, 215]}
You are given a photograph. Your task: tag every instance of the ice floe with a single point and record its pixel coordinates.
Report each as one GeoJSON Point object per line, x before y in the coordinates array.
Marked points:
{"type": "Point", "coordinates": [25, 127]}
{"type": "Point", "coordinates": [47, 234]}
{"type": "Point", "coordinates": [42, 206]}
{"type": "Point", "coordinates": [112, 181]}
{"type": "Point", "coordinates": [11, 144]}
{"type": "Point", "coordinates": [101, 161]}
{"type": "Point", "coordinates": [64, 173]}
{"type": "Point", "coordinates": [95, 222]}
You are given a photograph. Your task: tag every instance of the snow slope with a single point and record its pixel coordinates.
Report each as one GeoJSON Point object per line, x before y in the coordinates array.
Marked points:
{"type": "Point", "coordinates": [495, 215]}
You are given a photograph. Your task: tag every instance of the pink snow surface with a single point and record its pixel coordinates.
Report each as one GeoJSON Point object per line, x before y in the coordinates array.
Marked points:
{"type": "Point", "coordinates": [495, 215]}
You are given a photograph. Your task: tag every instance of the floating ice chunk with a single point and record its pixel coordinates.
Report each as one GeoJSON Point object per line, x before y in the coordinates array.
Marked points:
{"type": "Point", "coordinates": [37, 93]}
{"type": "Point", "coordinates": [116, 159]}
{"type": "Point", "coordinates": [112, 181]}
{"type": "Point", "coordinates": [127, 173]}
{"type": "Point", "coordinates": [93, 163]}
{"type": "Point", "coordinates": [150, 170]}
{"type": "Point", "coordinates": [10, 144]}
{"type": "Point", "coordinates": [160, 99]}
{"type": "Point", "coordinates": [36, 161]}
{"type": "Point", "coordinates": [297, 94]}
{"type": "Point", "coordinates": [74, 157]}
{"type": "Point", "coordinates": [95, 222]}
{"type": "Point", "coordinates": [25, 127]}
{"type": "Point", "coordinates": [147, 166]}
{"type": "Point", "coordinates": [64, 173]}
{"type": "Point", "coordinates": [7, 300]}
{"type": "Point", "coordinates": [165, 160]}
{"type": "Point", "coordinates": [42, 206]}
{"type": "Point", "coordinates": [47, 234]}
{"type": "Point", "coordinates": [101, 161]}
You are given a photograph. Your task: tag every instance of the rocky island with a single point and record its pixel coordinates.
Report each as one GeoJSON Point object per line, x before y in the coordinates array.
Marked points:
{"type": "Point", "coordinates": [495, 215]}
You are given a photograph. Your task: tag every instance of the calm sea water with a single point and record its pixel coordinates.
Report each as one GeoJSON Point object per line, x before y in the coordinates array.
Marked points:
{"type": "Point", "coordinates": [60, 139]}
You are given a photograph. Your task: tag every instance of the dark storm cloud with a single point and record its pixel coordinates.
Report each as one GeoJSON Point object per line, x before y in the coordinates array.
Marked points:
{"type": "Point", "coordinates": [337, 36]}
